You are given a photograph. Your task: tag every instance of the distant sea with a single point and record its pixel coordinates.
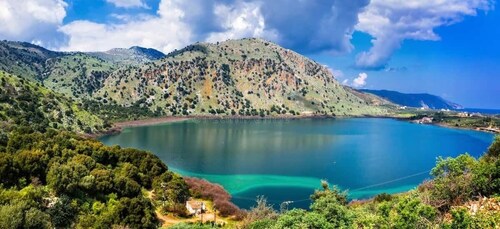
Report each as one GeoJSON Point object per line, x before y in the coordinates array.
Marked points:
{"type": "Point", "coordinates": [481, 111]}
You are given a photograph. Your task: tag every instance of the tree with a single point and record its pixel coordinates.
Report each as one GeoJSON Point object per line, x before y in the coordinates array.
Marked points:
{"type": "Point", "coordinates": [298, 218]}
{"type": "Point", "coordinates": [452, 180]}
{"type": "Point", "coordinates": [66, 178]}
{"type": "Point", "coordinates": [36, 219]}
{"type": "Point", "coordinates": [261, 214]}
{"type": "Point", "coordinates": [11, 216]}
{"type": "Point", "coordinates": [410, 212]}
{"type": "Point", "coordinates": [63, 212]}
{"type": "Point", "coordinates": [330, 203]}
{"type": "Point", "coordinates": [137, 213]}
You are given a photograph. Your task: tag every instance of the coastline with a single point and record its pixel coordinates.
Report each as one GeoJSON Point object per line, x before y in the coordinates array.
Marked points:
{"type": "Point", "coordinates": [119, 126]}
{"type": "Point", "coordinates": [464, 128]}
{"type": "Point", "coordinates": [149, 121]}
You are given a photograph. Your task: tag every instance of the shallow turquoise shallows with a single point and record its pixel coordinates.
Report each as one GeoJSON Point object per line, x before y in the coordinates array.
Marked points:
{"type": "Point", "coordinates": [286, 159]}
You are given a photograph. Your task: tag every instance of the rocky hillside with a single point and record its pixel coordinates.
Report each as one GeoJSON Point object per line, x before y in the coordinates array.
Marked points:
{"type": "Point", "coordinates": [28, 104]}
{"type": "Point", "coordinates": [74, 74]}
{"type": "Point", "coordinates": [421, 100]}
{"type": "Point", "coordinates": [250, 77]}
{"type": "Point", "coordinates": [24, 59]}
{"type": "Point", "coordinates": [245, 77]}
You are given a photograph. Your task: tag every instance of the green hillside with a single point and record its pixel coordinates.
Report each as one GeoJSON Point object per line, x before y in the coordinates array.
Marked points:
{"type": "Point", "coordinates": [25, 103]}
{"type": "Point", "coordinates": [77, 75]}
{"type": "Point", "coordinates": [24, 59]}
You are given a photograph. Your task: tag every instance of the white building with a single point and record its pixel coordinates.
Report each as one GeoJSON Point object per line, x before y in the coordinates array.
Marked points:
{"type": "Point", "coordinates": [195, 207]}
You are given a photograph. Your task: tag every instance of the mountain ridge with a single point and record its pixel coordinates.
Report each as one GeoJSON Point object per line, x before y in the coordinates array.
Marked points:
{"type": "Point", "coordinates": [134, 55]}
{"type": "Point", "coordinates": [417, 100]}
{"type": "Point", "coordinates": [248, 77]}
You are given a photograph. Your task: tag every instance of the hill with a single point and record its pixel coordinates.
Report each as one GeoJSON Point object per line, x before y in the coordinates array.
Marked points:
{"type": "Point", "coordinates": [24, 59]}
{"type": "Point", "coordinates": [132, 56]}
{"type": "Point", "coordinates": [28, 104]}
{"type": "Point", "coordinates": [74, 74]}
{"type": "Point", "coordinates": [415, 100]}
{"type": "Point", "coordinates": [238, 77]}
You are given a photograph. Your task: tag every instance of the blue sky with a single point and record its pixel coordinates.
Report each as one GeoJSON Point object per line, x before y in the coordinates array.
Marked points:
{"type": "Point", "coordinates": [448, 48]}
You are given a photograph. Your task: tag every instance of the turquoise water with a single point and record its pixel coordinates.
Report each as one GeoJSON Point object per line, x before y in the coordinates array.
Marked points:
{"type": "Point", "coordinates": [286, 159]}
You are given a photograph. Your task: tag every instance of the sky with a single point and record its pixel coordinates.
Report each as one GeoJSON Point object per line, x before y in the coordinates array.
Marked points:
{"type": "Point", "coordinates": [449, 48]}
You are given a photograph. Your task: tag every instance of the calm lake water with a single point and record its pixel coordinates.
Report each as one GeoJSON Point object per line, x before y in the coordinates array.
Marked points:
{"type": "Point", "coordinates": [286, 159]}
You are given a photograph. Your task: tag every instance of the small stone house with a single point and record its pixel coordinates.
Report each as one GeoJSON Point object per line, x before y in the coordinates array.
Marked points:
{"type": "Point", "coordinates": [195, 207]}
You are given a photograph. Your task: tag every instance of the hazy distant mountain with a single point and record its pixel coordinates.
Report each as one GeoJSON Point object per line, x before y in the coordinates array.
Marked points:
{"type": "Point", "coordinates": [134, 55]}
{"type": "Point", "coordinates": [415, 100]}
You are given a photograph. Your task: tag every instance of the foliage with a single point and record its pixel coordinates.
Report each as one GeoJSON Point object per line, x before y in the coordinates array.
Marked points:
{"type": "Point", "coordinates": [301, 219]}
{"type": "Point", "coordinates": [221, 198]}
{"type": "Point", "coordinates": [260, 216]}
{"type": "Point", "coordinates": [172, 192]}
{"type": "Point", "coordinates": [58, 179]}
{"type": "Point", "coordinates": [27, 104]}
{"type": "Point", "coordinates": [452, 180]}
{"type": "Point", "coordinates": [331, 203]}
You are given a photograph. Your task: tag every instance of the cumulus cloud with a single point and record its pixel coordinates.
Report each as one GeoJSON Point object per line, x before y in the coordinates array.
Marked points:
{"type": "Point", "coordinates": [313, 26]}
{"type": "Point", "coordinates": [244, 19]}
{"type": "Point", "coordinates": [304, 26]}
{"type": "Point", "coordinates": [32, 20]}
{"type": "Point", "coordinates": [165, 31]}
{"type": "Point", "coordinates": [392, 21]}
{"type": "Point", "coordinates": [360, 81]}
{"type": "Point", "coordinates": [128, 3]}
{"type": "Point", "coordinates": [179, 22]}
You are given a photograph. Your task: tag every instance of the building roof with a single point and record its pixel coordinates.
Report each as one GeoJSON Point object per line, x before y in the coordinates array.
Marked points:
{"type": "Point", "coordinates": [195, 204]}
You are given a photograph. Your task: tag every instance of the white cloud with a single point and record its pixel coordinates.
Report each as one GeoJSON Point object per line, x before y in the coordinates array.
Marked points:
{"type": "Point", "coordinates": [337, 74]}
{"type": "Point", "coordinates": [392, 21]}
{"type": "Point", "coordinates": [244, 19]}
{"type": "Point", "coordinates": [360, 81]}
{"type": "Point", "coordinates": [304, 26]}
{"type": "Point", "coordinates": [164, 32]}
{"type": "Point", "coordinates": [345, 82]}
{"type": "Point", "coordinates": [32, 20]}
{"type": "Point", "coordinates": [128, 3]}
{"type": "Point", "coordinates": [176, 25]}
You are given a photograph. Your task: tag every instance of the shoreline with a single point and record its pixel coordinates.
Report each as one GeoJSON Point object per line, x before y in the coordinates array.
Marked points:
{"type": "Point", "coordinates": [119, 126]}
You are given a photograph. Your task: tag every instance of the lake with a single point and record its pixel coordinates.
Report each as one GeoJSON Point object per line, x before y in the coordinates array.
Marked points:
{"type": "Point", "coordinates": [285, 160]}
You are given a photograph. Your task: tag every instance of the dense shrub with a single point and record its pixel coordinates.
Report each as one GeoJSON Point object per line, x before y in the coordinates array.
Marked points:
{"type": "Point", "coordinates": [95, 186]}
{"type": "Point", "coordinates": [221, 198]}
